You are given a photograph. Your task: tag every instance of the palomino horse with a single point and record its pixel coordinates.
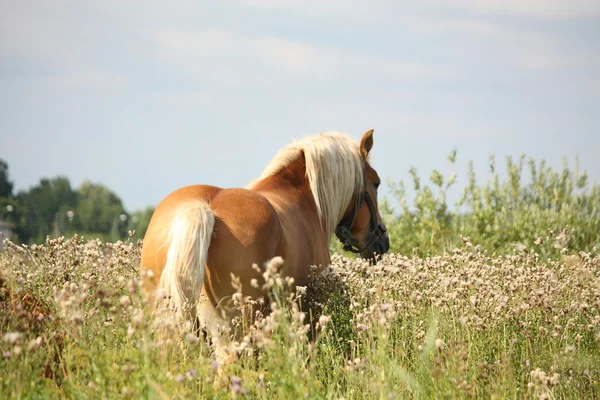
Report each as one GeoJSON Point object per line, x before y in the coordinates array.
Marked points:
{"type": "Point", "coordinates": [314, 188]}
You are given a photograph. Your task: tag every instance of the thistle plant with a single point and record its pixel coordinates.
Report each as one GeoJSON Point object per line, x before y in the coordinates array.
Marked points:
{"type": "Point", "coordinates": [496, 298]}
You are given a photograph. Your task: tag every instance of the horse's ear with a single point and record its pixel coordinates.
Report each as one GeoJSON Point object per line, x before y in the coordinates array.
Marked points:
{"type": "Point", "coordinates": [366, 143]}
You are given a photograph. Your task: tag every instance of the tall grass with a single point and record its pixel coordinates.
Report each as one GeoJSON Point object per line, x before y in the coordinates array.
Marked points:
{"type": "Point", "coordinates": [479, 310]}
{"type": "Point", "coordinates": [501, 216]}
{"type": "Point", "coordinates": [462, 325]}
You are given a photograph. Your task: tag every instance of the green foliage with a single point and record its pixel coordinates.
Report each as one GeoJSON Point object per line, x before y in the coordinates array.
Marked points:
{"type": "Point", "coordinates": [53, 208]}
{"type": "Point", "coordinates": [42, 207]}
{"type": "Point", "coordinates": [6, 186]}
{"type": "Point", "coordinates": [11, 212]}
{"type": "Point", "coordinates": [500, 216]}
{"type": "Point", "coordinates": [453, 320]}
{"type": "Point", "coordinates": [140, 220]}
{"type": "Point", "coordinates": [99, 210]}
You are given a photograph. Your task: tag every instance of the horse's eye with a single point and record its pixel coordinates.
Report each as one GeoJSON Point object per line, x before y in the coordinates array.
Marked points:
{"type": "Point", "coordinates": [376, 184]}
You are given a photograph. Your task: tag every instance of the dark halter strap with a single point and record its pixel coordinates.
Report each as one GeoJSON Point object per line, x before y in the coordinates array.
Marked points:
{"type": "Point", "coordinates": [343, 229]}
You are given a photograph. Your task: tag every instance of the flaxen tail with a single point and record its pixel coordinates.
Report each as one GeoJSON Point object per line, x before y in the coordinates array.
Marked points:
{"type": "Point", "coordinates": [189, 238]}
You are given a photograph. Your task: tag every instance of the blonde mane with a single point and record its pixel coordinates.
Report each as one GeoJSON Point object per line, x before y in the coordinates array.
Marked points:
{"type": "Point", "coordinates": [334, 169]}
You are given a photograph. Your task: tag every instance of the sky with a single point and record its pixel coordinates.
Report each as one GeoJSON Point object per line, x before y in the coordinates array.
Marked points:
{"type": "Point", "coordinates": [148, 96]}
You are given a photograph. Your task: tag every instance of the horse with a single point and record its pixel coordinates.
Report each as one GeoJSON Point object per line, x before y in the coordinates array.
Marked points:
{"type": "Point", "coordinates": [199, 236]}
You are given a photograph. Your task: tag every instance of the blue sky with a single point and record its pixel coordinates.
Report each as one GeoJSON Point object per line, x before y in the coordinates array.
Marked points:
{"type": "Point", "coordinates": [148, 96]}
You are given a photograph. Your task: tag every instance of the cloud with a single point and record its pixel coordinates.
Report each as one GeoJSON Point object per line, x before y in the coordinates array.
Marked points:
{"type": "Point", "coordinates": [38, 42]}
{"type": "Point", "coordinates": [545, 9]}
{"type": "Point", "coordinates": [370, 11]}
{"type": "Point", "coordinates": [85, 77]}
{"type": "Point", "coordinates": [178, 99]}
{"type": "Point", "coordinates": [506, 43]}
{"type": "Point", "coordinates": [234, 58]}
{"type": "Point", "coordinates": [375, 10]}
{"type": "Point", "coordinates": [439, 126]}
{"type": "Point", "coordinates": [507, 40]}
{"type": "Point", "coordinates": [397, 122]}
{"type": "Point", "coordinates": [595, 87]}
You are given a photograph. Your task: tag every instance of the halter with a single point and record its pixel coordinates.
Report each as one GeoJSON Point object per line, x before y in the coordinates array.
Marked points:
{"type": "Point", "coordinates": [343, 229]}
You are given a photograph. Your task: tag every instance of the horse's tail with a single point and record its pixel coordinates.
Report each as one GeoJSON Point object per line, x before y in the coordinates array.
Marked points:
{"type": "Point", "coordinates": [183, 274]}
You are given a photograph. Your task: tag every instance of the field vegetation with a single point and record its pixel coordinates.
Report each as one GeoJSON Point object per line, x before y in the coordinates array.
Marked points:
{"type": "Point", "coordinates": [496, 297]}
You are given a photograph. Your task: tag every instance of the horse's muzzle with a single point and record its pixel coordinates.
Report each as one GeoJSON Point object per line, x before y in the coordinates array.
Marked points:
{"type": "Point", "coordinates": [379, 243]}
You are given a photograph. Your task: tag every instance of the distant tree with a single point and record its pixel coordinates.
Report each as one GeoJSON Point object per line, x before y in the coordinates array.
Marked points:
{"type": "Point", "coordinates": [6, 186]}
{"type": "Point", "coordinates": [44, 207]}
{"type": "Point", "coordinates": [11, 212]}
{"type": "Point", "coordinates": [139, 221]}
{"type": "Point", "coordinates": [53, 208]}
{"type": "Point", "coordinates": [99, 210]}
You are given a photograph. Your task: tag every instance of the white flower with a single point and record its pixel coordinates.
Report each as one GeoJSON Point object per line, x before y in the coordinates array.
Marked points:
{"type": "Point", "coordinates": [13, 337]}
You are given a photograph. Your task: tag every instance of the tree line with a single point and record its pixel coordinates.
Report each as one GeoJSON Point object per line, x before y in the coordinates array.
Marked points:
{"type": "Point", "coordinates": [54, 208]}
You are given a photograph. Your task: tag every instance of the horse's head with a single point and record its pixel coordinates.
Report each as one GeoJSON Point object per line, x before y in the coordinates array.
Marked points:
{"type": "Point", "coordinates": [361, 230]}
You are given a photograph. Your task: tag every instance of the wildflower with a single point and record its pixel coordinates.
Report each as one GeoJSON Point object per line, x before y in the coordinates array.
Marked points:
{"type": "Point", "coordinates": [569, 349]}
{"type": "Point", "coordinates": [301, 290]}
{"type": "Point", "coordinates": [324, 320]}
{"type": "Point", "coordinates": [191, 338]}
{"type": "Point", "coordinates": [125, 301]}
{"type": "Point", "coordinates": [126, 392]}
{"type": "Point", "coordinates": [13, 337]}
{"type": "Point", "coordinates": [132, 286]}
{"type": "Point", "coordinates": [191, 373]}
{"type": "Point", "coordinates": [77, 318]}
{"type": "Point", "coordinates": [439, 344]}
{"type": "Point", "coordinates": [236, 385]}
{"type": "Point", "coordinates": [128, 368]}
{"type": "Point", "coordinates": [138, 318]}
{"type": "Point", "coordinates": [34, 344]}
{"type": "Point", "coordinates": [237, 298]}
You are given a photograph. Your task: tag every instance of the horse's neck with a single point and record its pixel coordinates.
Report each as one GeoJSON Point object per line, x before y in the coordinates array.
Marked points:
{"type": "Point", "coordinates": [290, 195]}
{"type": "Point", "coordinates": [289, 189]}
{"type": "Point", "coordinates": [304, 242]}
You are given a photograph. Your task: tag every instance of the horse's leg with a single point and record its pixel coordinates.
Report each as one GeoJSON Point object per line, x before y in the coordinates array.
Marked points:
{"type": "Point", "coordinates": [246, 232]}
{"type": "Point", "coordinates": [184, 232]}
{"type": "Point", "coordinates": [217, 329]}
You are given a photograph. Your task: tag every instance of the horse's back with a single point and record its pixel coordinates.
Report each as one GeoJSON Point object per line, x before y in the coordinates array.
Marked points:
{"type": "Point", "coordinates": [246, 231]}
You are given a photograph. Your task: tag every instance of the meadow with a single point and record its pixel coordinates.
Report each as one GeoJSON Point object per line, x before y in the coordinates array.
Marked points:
{"type": "Point", "coordinates": [497, 298]}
